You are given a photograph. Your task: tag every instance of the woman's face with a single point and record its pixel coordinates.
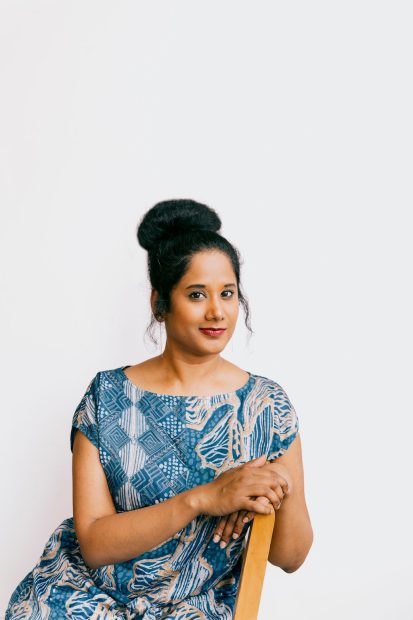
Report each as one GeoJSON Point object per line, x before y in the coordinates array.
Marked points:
{"type": "Point", "coordinates": [205, 297]}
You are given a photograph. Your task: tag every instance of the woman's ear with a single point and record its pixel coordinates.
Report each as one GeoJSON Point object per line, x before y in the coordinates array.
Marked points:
{"type": "Point", "coordinates": [154, 297]}
{"type": "Point", "coordinates": [154, 305]}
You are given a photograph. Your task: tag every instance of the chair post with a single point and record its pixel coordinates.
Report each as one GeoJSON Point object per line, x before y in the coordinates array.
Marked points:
{"type": "Point", "coordinates": [253, 569]}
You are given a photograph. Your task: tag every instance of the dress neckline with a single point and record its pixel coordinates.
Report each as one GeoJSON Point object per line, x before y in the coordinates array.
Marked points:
{"type": "Point", "coordinates": [219, 396]}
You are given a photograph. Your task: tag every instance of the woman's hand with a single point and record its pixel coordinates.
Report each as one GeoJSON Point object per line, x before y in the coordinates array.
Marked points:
{"type": "Point", "coordinates": [233, 524]}
{"type": "Point", "coordinates": [237, 489]}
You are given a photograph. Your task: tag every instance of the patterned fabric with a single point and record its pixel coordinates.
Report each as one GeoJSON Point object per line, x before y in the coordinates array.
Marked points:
{"type": "Point", "coordinates": [151, 447]}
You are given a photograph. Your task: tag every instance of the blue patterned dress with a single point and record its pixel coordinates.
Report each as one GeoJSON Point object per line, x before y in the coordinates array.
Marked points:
{"type": "Point", "coordinates": [151, 447]}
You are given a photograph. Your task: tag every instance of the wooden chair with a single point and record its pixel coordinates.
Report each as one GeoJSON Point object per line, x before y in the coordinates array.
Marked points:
{"type": "Point", "coordinates": [254, 564]}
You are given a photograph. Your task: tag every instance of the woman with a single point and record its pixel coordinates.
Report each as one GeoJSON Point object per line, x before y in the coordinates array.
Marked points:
{"type": "Point", "coordinates": [175, 455]}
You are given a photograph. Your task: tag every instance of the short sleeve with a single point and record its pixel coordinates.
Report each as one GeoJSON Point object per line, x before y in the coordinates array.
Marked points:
{"type": "Point", "coordinates": [285, 424]}
{"type": "Point", "coordinates": [85, 416]}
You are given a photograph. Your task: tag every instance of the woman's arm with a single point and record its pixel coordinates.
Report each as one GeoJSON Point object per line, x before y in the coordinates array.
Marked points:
{"type": "Point", "coordinates": [106, 536]}
{"type": "Point", "coordinates": [293, 534]}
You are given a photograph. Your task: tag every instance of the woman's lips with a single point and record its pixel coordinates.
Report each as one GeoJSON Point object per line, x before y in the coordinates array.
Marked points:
{"type": "Point", "coordinates": [212, 332]}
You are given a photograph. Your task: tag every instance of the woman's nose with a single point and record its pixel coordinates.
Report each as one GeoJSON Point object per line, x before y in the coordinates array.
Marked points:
{"type": "Point", "coordinates": [215, 310]}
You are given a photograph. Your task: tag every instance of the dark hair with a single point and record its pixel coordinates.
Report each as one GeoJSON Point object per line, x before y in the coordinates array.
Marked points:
{"type": "Point", "coordinates": [172, 231]}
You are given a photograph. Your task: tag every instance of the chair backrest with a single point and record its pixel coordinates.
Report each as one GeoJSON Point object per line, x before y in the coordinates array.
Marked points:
{"type": "Point", "coordinates": [254, 564]}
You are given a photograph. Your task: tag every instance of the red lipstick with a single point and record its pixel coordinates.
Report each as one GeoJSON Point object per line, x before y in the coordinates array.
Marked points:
{"type": "Point", "coordinates": [209, 331]}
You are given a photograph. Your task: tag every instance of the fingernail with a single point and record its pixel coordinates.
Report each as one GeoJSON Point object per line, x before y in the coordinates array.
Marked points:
{"type": "Point", "coordinates": [222, 544]}
{"type": "Point", "coordinates": [216, 538]}
{"type": "Point", "coordinates": [235, 535]}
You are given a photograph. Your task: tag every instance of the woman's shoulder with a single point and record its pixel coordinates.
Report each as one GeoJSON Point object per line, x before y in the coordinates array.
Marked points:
{"type": "Point", "coordinates": [268, 382]}
{"type": "Point", "coordinates": [107, 378]}
{"type": "Point", "coordinates": [271, 390]}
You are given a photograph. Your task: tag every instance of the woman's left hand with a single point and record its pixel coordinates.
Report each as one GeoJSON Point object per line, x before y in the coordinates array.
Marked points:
{"type": "Point", "coordinates": [233, 524]}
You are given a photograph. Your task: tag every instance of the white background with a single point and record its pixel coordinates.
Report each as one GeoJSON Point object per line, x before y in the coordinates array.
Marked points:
{"type": "Point", "coordinates": [294, 121]}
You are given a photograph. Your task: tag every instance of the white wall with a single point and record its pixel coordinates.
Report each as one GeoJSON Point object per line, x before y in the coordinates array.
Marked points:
{"type": "Point", "coordinates": [294, 121]}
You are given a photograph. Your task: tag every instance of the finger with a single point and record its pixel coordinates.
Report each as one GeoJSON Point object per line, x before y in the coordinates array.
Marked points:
{"type": "Point", "coordinates": [281, 481]}
{"type": "Point", "coordinates": [239, 524]}
{"type": "Point", "coordinates": [259, 508]}
{"type": "Point", "coordinates": [228, 529]}
{"type": "Point", "coordinates": [278, 497]}
{"type": "Point", "coordinates": [220, 528]}
{"type": "Point", "coordinates": [258, 462]}
{"type": "Point", "coordinates": [250, 515]}
{"type": "Point", "coordinates": [272, 491]}
{"type": "Point", "coordinates": [285, 487]}
{"type": "Point", "coordinates": [275, 498]}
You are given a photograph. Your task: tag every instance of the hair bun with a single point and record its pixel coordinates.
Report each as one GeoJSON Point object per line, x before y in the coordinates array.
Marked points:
{"type": "Point", "coordinates": [173, 217]}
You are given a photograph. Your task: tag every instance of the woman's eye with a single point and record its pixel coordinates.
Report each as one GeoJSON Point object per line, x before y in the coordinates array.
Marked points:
{"type": "Point", "coordinates": [199, 293]}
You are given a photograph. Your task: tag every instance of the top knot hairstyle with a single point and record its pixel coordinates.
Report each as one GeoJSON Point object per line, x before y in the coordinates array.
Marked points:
{"type": "Point", "coordinates": [172, 231]}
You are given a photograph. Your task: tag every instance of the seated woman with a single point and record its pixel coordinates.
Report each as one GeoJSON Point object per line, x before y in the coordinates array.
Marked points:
{"type": "Point", "coordinates": [175, 456]}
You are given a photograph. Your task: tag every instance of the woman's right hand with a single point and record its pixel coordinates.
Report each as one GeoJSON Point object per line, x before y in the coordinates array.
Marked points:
{"type": "Point", "coordinates": [238, 489]}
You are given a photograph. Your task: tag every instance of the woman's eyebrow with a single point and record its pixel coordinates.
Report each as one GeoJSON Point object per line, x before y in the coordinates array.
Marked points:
{"type": "Point", "coordinates": [204, 286]}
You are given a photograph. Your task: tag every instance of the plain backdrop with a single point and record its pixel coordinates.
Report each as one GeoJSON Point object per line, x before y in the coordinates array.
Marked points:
{"type": "Point", "coordinates": [294, 121]}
